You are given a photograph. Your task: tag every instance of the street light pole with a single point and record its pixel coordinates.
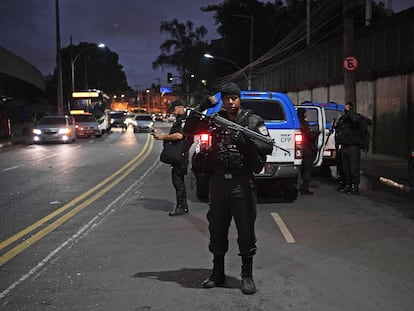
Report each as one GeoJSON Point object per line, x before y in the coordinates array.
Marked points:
{"type": "Point", "coordinates": [74, 59]}
{"type": "Point", "coordinates": [251, 45]}
{"type": "Point", "coordinates": [207, 55]}
{"type": "Point", "coordinates": [59, 63]}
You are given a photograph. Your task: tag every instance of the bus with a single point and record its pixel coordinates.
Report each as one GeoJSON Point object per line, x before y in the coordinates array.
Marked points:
{"type": "Point", "coordinates": [95, 102]}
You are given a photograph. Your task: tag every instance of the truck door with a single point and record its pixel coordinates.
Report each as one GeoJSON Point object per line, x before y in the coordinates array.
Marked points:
{"type": "Point", "coordinates": [317, 121]}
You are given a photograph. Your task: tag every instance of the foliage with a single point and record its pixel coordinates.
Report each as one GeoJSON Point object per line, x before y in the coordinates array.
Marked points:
{"type": "Point", "coordinates": [178, 51]}
{"type": "Point", "coordinates": [95, 68]}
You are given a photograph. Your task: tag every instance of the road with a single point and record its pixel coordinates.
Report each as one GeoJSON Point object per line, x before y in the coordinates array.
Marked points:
{"type": "Point", "coordinates": [85, 226]}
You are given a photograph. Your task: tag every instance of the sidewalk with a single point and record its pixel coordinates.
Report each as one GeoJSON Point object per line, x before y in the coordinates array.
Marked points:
{"type": "Point", "coordinates": [391, 171]}
{"type": "Point", "coordinates": [21, 134]}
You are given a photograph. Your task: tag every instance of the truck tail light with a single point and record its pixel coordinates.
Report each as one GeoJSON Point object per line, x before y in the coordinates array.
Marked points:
{"type": "Point", "coordinates": [204, 141]}
{"type": "Point", "coordinates": [298, 145]}
{"type": "Point", "coordinates": [204, 138]}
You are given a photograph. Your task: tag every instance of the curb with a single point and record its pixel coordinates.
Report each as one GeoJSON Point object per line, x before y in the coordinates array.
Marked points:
{"type": "Point", "coordinates": [368, 179]}
{"type": "Point", "coordinates": [5, 144]}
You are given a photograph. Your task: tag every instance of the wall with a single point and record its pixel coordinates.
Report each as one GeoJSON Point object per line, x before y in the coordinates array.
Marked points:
{"type": "Point", "coordinates": [388, 101]}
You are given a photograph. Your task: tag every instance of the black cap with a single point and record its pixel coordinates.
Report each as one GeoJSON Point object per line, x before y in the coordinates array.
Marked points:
{"type": "Point", "coordinates": [230, 89]}
{"type": "Point", "coordinates": [174, 104]}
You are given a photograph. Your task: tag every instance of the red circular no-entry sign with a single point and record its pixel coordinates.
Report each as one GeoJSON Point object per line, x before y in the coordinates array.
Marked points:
{"type": "Point", "coordinates": [350, 63]}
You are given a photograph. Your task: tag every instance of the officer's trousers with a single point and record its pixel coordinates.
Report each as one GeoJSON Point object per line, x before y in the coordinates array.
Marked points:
{"type": "Point", "coordinates": [178, 173]}
{"type": "Point", "coordinates": [307, 165]}
{"type": "Point", "coordinates": [350, 162]}
{"type": "Point", "coordinates": [232, 196]}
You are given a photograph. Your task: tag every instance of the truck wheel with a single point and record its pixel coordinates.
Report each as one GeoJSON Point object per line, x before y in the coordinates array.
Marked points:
{"type": "Point", "coordinates": [291, 194]}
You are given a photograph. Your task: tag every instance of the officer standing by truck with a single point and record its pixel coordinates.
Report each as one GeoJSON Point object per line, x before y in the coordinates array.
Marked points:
{"type": "Point", "coordinates": [352, 136]}
{"type": "Point", "coordinates": [232, 161]}
{"type": "Point", "coordinates": [308, 151]}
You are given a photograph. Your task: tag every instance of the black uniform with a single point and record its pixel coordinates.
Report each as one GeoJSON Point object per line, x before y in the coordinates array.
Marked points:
{"type": "Point", "coordinates": [351, 136]}
{"type": "Point", "coordinates": [308, 154]}
{"type": "Point", "coordinates": [232, 160]}
{"type": "Point", "coordinates": [179, 171]}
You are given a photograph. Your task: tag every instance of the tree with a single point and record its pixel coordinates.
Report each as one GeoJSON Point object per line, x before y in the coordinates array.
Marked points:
{"type": "Point", "coordinates": [95, 68]}
{"type": "Point", "coordinates": [183, 50]}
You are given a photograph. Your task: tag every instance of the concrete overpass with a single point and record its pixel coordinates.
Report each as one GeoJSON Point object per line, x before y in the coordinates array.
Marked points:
{"type": "Point", "coordinates": [22, 92]}
{"type": "Point", "coordinates": [17, 76]}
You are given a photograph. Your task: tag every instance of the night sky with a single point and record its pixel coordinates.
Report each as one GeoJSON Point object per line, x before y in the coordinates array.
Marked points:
{"type": "Point", "coordinates": [130, 28]}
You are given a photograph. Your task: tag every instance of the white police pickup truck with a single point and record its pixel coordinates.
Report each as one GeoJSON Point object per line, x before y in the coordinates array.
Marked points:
{"type": "Point", "coordinates": [333, 111]}
{"type": "Point", "coordinates": [281, 172]}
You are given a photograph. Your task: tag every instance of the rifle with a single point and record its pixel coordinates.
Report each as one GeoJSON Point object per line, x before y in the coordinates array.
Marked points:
{"type": "Point", "coordinates": [331, 130]}
{"type": "Point", "coordinates": [227, 124]}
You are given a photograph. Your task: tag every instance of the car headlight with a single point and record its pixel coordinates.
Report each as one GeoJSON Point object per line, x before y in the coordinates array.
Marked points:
{"type": "Point", "coordinates": [37, 131]}
{"type": "Point", "coordinates": [64, 131]}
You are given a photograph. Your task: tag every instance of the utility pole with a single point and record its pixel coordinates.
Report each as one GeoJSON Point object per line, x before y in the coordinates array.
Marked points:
{"type": "Point", "coordinates": [349, 76]}
{"type": "Point", "coordinates": [308, 22]}
{"type": "Point", "coordinates": [59, 63]}
{"type": "Point", "coordinates": [251, 51]}
{"type": "Point", "coordinates": [368, 12]}
{"type": "Point", "coordinates": [159, 91]}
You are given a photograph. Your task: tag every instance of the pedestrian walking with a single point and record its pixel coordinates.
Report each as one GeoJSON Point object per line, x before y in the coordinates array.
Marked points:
{"type": "Point", "coordinates": [352, 136]}
{"type": "Point", "coordinates": [178, 171]}
{"type": "Point", "coordinates": [308, 151]}
{"type": "Point", "coordinates": [232, 160]}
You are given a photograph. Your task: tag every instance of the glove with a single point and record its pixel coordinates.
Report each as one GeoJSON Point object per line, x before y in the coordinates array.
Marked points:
{"type": "Point", "coordinates": [207, 102]}
{"type": "Point", "coordinates": [238, 138]}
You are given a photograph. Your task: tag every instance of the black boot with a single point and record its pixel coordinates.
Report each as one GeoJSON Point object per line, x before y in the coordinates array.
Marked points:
{"type": "Point", "coordinates": [178, 210]}
{"type": "Point", "coordinates": [344, 188]}
{"type": "Point", "coordinates": [354, 189]}
{"type": "Point", "coordinates": [248, 287]}
{"type": "Point", "coordinates": [305, 188]}
{"type": "Point", "coordinates": [217, 276]}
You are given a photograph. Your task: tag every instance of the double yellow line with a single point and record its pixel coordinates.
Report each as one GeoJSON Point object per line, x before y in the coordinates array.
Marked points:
{"type": "Point", "coordinates": [110, 182]}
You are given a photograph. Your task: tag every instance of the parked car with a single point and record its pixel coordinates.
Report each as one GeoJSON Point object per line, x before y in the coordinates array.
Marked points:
{"type": "Point", "coordinates": [143, 123]}
{"type": "Point", "coordinates": [411, 168]}
{"type": "Point", "coordinates": [117, 119]}
{"type": "Point", "coordinates": [55, 129]}
{"type": "Point", "coordinates": [87, 125]}
{"type": "Point", "coordinates": [282, 169]}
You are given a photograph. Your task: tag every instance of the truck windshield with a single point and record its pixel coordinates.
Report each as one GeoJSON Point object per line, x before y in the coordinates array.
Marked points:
{"type": "Point", "coordinates": [269, 110]}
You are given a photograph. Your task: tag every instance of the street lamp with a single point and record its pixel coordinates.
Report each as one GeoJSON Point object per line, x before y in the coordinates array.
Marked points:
{"type": "Point", "coordinates": [73, 61]}
{"type": "Point", "coordinates": [207, 55]}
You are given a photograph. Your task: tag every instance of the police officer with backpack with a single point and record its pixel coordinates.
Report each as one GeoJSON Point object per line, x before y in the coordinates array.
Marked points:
{"type": "Point", "coordinates": [232, 161]}
{"type": "Point", "coordinates": [352, 136]}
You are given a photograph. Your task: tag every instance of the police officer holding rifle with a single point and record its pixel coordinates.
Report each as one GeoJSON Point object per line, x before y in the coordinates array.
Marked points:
{"type": "Point", "coordinates": [232, 160]}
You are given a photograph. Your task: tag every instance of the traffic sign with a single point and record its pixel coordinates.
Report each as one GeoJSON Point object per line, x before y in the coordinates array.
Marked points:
{"type": "Point", "coordinates": [350, 63]}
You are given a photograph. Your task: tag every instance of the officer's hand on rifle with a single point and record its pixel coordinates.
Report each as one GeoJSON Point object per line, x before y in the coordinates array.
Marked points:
{"type": "Point", "coordinates": [238, 138]}
{"type": "Point", "coordinates": [207, 102]}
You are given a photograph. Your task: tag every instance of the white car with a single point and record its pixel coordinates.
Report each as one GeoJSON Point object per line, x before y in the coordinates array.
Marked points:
{"type": "Point", "coordinates": [55, 129]}
{"type": "Point", "coordinates": [143, 123]}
